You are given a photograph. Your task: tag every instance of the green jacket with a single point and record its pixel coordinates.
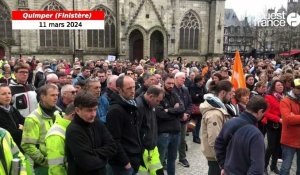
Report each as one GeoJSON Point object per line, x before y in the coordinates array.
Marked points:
{"type": "Point", "coordinates": [55, 143]}
{"type": "Point", "coordinates": [35, 128]}
{"type": "Point", "coordinates": [9, 151]}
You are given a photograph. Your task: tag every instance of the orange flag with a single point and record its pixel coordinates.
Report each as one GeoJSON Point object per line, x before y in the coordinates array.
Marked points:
{"type": "Point", "coordinates": [238, 78]}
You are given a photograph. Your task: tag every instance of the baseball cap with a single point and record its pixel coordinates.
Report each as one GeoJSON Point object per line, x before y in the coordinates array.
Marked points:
{"type": "Point", "coordinates": [46, 64]}
{"type": "Point", "coordinates": [76, 67]}
{"type": "Point", "coordinates": [48, 70]}
{"type": "Point", "coordinates": [224, 68]}
{"type": "Point", "coordinates": [297, 82]}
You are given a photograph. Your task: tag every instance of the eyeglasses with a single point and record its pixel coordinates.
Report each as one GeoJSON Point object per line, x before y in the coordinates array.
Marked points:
{"type": "Point", "coordinates": [130, 73]}
{"type": "Point", "coordinates": [23, 72]}
{"type": "Point", "coordinates": [72, 92]}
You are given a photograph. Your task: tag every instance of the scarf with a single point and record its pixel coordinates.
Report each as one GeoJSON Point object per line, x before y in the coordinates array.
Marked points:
{"type": "Point", "coordinates": [6, 108]}
{"type": "Point", "coordinates": [278, 96]}
{"type": "Point", "coordinates": [130, 102]}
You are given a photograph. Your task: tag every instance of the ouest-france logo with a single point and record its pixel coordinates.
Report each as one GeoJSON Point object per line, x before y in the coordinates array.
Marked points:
{"type": "Point", "coordinates": [280, 20]}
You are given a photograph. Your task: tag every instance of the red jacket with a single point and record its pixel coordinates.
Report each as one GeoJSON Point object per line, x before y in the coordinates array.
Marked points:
{"type": "Point", "coordinates": [290, 134]}
{"type": "Point", "coordinates": [273, 111]}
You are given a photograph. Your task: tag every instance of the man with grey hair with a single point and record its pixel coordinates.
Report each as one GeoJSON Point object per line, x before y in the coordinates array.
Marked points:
{"type": "Point", "coordinates": [186, 99]}
{"type": "Point", "coordinates": [51, 78]}
{"type": "Point", "coordinates": [67, 96]}
{"type": "Point", "coordinates": [148, 80]}
{"type": "Point", "coordinates": [106, 97]}
{"type": "Point", "coordinates": [139, 70]}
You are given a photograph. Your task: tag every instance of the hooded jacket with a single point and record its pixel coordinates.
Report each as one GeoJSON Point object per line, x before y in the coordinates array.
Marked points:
{"type": "Point", "coordinates": [124, 125]}
{"type": "Point", "coordinates": [214, 115]}
{"type": "Point", "coordinates": [290, 132]}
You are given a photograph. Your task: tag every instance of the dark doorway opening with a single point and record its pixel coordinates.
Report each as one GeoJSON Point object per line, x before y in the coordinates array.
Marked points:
{"type": "Point", "coordinates": [2, 52]}
{"type": "Point", "coordinates": [157, 45]}
{"type": "Point", "coordinates": [136, 45]}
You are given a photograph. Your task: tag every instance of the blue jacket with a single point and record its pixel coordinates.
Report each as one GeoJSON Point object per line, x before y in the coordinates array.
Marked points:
{"type": "Point", "coordinates": [102, 108]}
{"type": "Point", "coordinates": [240, 147]}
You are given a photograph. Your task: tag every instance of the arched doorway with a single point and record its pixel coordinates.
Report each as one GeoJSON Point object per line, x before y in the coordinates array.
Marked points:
{"type": "Point", "coordinates": [2, 51]}
{"type": "Point", "coordinates": [157, 45]}
{"type": "Point", "coordinates": [136, 45]}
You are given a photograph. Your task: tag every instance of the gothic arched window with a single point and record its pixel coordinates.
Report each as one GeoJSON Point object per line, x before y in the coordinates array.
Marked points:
{"type": "Point", "coordinates": [5, 22]}
{"type": "Point", "coordinates": [103, 38]}
{"type": "Point", "coordinates": [189, 32]}
{"type": "Point", "coordinates": [54, 38]}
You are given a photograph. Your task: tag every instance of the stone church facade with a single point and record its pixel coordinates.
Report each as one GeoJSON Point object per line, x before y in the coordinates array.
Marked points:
{"type": "Point", "coordinates": [134, 29]}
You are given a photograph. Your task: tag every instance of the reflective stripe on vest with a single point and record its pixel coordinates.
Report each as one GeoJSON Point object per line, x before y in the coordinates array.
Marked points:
{"type": "Point", "coordinates": [141, 172]}
{"type": "Point", "coordinates": [29, 140]}
{"type": "Point", "coordinates": [43, 126]}
{"type": "Point", "coordinates": [14, 150]}
{"type": "Point", "coordinates": [57, 161]}
{"type": "Point", "coordinates": [151, 161]}
{"type": "Point", "coordinates": [56, 130]}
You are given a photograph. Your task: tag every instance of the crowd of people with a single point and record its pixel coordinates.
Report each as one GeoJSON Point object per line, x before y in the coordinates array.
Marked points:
{"type": "Point", "coordinates": [126, 118]}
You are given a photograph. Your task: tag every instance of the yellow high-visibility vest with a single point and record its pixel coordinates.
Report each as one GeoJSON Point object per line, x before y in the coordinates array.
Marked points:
{"type": "Point", "coordinates": [10, 150]}
{"type": "Point", "coordinates": [151, 161]}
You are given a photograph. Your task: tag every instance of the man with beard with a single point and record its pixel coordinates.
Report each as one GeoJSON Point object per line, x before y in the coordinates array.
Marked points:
{"type": "Point", "coordinates": [168, 115]}
{"type": "Point", "coordinates": [214, 115]}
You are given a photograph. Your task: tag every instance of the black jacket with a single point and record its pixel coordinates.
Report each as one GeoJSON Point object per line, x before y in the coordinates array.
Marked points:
{"type": "Point", "coordinates": [188, 83]}
{"type": "Point", "coordinates": [10, 121]}
{"type": "Point", "coordinates": [240, 147]}
{"type": "Point", "coordinates": [149, 125]}
{"type": "Point", "coordinates": [61, 104]}
{"type": "Point", "coordinates": [186, 99]}
{"type": "Point", "coordinates": [197, 93]}
{"type": "Point", "coordinates": [169, 122]}
{"type": "Point", "coordinates": [124, 125]}
{"type": "Point", "coordinates": [88, 147]}
{"type": "Point", "coordinates": [140, 91]}
{"type": "Point", "coordinates": [39, 76]}
{"type": "Point", "coordinates": [104, 87]}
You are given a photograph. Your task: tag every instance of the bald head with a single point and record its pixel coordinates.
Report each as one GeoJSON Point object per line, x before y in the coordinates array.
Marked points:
{"type": "Point", "coordinates": [126, 87]}
{"type": "Point", "coordinates": [52, 78]}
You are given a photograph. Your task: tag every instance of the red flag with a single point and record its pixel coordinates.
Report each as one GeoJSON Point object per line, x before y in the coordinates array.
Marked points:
{"type": "Point", "coordinates": [238, 78]}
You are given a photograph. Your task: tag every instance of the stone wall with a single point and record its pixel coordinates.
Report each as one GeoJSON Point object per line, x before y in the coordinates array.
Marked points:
{"type": "Point", "coordinates": [164, 16]}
